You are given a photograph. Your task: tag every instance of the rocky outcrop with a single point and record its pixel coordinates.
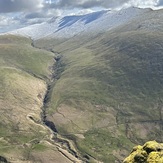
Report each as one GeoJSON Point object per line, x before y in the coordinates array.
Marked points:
{"type": "Point", "coordinates": [150, 152]}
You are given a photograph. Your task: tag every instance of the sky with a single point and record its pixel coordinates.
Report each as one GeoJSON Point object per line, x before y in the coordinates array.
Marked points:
{"type": "Point", "coordinates": [19, 13]}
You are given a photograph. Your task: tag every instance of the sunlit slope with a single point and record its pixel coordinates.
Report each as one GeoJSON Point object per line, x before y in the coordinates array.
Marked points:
{"type": "Point", "coordinates": [22, 89]}
{"type": "Point", "coordinates": [17, 52]}
{"type": "Point", "coordinates": [109, 91]}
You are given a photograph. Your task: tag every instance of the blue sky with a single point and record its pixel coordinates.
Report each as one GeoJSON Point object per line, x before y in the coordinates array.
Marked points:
{"type": "Point", "coordinates": [19, 13]}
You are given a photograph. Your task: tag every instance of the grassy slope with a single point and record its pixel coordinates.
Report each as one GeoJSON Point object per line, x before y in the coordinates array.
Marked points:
{"type": "Point", "coordinates": [23, 74]}
{"type": "Point", "coordinates": [18, 53]}
{"type": "Point", "coordinates": [110, 92]}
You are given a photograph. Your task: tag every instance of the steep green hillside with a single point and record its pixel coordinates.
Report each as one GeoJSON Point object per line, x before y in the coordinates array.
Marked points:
{"type": "Point", "coordinates": [17, 52]}
{"type": "Point", "coordinates": [109, 92]}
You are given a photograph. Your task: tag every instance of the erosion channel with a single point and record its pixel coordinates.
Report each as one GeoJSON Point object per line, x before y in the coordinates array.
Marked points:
{"type": "Point", "coordinates": [65, 146]}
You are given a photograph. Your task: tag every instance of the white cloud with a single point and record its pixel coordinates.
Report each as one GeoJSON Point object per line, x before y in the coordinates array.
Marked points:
{"type": "Point", "coordinates": [28, 5]}
{"type": "Point", "coordinates": [102, 3]}
{"type": "Point", "coordinates": [143, 4]}
{"type": "Point", "coordinates": [37, 11]}
{"type": "Point", "coordinates": [5, 21]}
{"type": "Point", "coordinates": [19, 5]}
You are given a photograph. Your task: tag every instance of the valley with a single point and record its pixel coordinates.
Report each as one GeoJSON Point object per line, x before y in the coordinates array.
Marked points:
{"type": "Point", "coordinates": [85, 97]}
{"type": "Point", "coordinates": [23, 93]}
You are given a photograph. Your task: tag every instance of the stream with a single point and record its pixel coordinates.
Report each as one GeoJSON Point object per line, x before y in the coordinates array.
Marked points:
{"type": "Point", "coordinates": [64, 144]}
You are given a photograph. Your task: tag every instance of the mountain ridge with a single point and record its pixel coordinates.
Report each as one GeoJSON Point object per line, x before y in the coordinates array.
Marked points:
{"type": "Point", "coordinates": [69, 26]}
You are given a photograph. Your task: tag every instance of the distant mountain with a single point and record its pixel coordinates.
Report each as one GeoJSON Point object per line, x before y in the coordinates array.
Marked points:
{"type": "Point", "coordinates": [69, 26]}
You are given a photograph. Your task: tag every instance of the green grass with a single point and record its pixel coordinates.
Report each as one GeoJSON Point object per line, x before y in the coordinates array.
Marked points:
{"type": "Point", "coordinates": [20, 54]}
{"type": "Point", "coordinates": [99, 143]}
{"type": "Point", "coordinates": [24, 71]}
{"type": "Point", "coordinates": [113, 77]}
{"type": "Point", "coordinates": [108, 92]}
{"type": "Point", "coordinates": [119, 70]}
{"type": "Point", "coordinates": [39, 147]}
